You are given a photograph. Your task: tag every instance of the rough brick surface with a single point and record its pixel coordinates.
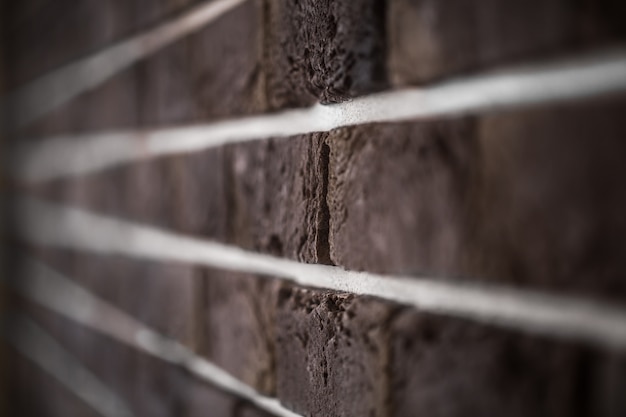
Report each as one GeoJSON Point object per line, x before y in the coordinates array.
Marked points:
{"type": "Point", "coordinates": [332, 353]}
{"type": "Point", "coordinates": [277, 197]}
{"type": "Point", "coordinates": [430, 39]}
{"type": "Point", "coordinates": [397, 195]}
{"type": "Point", "coordinates": [323, 51]}
{"type": "Point", "coordinates": [450, 367]}
{"type": "Point", "coordinates": [522, 197]}
{"type": "Point", "coordinates": [114, 104]}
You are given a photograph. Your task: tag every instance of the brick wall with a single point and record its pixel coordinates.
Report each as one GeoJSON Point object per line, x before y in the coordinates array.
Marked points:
{"type": "Point", "coordinates": [529, 198]}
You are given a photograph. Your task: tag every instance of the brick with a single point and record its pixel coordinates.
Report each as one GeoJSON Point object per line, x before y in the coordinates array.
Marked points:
{"type": "Point", "coordinates": [248, 411]}
{"type": "Point", "coordinates": [163, 296]}
{"type": "Point", "coordinates": [332, 353]}
{"type": "Point", "coordinates": [74, 29]}
{"type": "Point", "coordinates": [114, 104]}
{"type": "Point", "coordinates": [211, 74]}
{"type": "Point", "coordinates": [323, 51]}
{"type": "Point", "coordinates": [238, 326]}
{"type": "Point", "coordinates": [200, 184]}
{"type": "Point", "coordinates": [397, 195]}
{"type": "Point", "coordinates": [204, 401]}
{"type": "Point", "coordinates": [277, 197]}
{"type": "Point", "coordinates": [548, 201]}
{"type": "Point", "coordinates": [275, 205]}
{"type": "Point", "coordinates": [148, 385]}
{"type": "Point", "coordinates": [524, 197]}
{"type": "Point", "coordinates": [181, 83]}
{"type": "Point", "coordinates": [29, 382]}
{"type": "Point", "coordinates": [449, 367]}
{"type": "Point", "coordinates": [430, 39]}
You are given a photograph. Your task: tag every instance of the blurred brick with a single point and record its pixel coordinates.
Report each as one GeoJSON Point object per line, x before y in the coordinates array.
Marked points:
{"type": "Point", "coordinates": [114, 104]}
{"type": "Point", "coordinates": [451, 367]}
{"type": "Point", "coordinates": [548, 203]}
{"type": "Point", "coordinates": [275, 205]}
{"type": "Point", "coordinates": [163, 296]}
{"type": "Point", "coordinates": [238, 326]}
{"type": "Point", "coordinates": [323, 50]}
{"type": "Point", "coordinates": [211, 74]}
{"type": "Point", "coordinates": [149, 386]}
{"type": "Point", "coordinates": [531, 198]}
{"type": "Point", "coordinates": [430, 39]}
{"type": "Point", "coordinates": [44, 35]}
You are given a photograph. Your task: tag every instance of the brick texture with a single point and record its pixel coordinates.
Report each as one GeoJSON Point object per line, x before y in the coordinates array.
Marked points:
{"type": "Point", "coordinates": [148, 385]}
{"type": "Point", "coordinates": [397, 195]}
{"type": "Point", "coordinates": [530, 198]}
{"type": "Point", "coordinates": [333, 353]}
{"type": "Point", "coordinates": [429, 39]}
{"type": "Point", "coordinates": [450, 367]}
{"type": "Point", "coordinates": [548, 200]}
{"type": "Point", "coordinates": [324, 51]}
{"type": "Point", "coordinates": [164, 296]}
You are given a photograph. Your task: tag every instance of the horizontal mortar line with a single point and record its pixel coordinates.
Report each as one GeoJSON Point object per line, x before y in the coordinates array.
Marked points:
{"type": "Point", "coordinates": [552, 315]}
{"type": "Point", "coordinates": [60, 86]}
{"type": "Point", "coordinates": [586, 76]}
{"type": "Point", "coordinates": [42, 349]}
{"type": "Point", "coordinates": [58, 293]}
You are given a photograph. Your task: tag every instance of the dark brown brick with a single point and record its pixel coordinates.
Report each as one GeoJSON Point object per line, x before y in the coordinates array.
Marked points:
{"type": "Point", "coordinates": [275, 205]}
{"type": "Point", "coordinates": [277, 197]}
{"type": "Point", "coordinates": [163, 296]}
{"type": "Point", "coordinates": [211, 74]}
{"type": "Point", "coordinates": [525, 197]}
{"type": "Point", "coordinates": [332, 353]}
{"type": "Point", "coordinates": [238, 326]}
{"type": "Point", "coordinates": [148, 385]}
{"type": "Point", "coordinates": [205, 401]}
{"type": "Point", "coordinates": [323, 50]}
{"type": "Point", "coordinates": [214, 73]}
{"type": "Point", "coordinates": [248, 411]}
{"type": "Point", "coordinates": [29, 382]}
{"type": "Point", "coordinates": [44, 35]}
{"type": "Point", "coordinates": [548, 201]}
{"type": "Point", "coordinates": [397, 195]}
{"type": "Point", "coordinates": [114, 104]}
{"type": "Point", "coordinates": [430, 39]}
{"type": "Point", "coordinates": [450, 367]}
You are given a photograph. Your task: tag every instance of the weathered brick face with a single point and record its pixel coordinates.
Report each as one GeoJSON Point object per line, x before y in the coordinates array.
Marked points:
{"type": "Point", "coordinates": [450, 367]}
{"type": "Point", "coordinates": [324, 51]}
{"type": "Point", "coordinates": [278, 197]}
{"type": "Point", "coordinates": [530, 198]}
{"type": "Point", "coordinates": [398, 194]}
{"type": "Point", "coordinates": [430, 39]}
{"type": "Point", "coordinates": [332, 353]}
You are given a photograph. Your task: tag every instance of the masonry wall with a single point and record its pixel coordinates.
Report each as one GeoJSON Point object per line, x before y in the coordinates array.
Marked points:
{"type": "Point", "coordinates": [531, 198]}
